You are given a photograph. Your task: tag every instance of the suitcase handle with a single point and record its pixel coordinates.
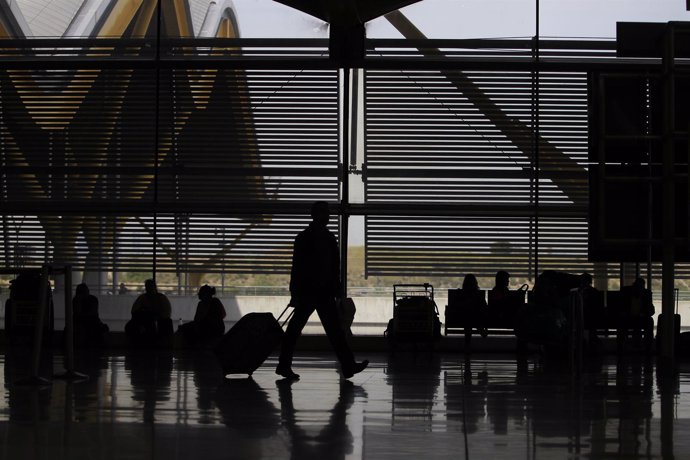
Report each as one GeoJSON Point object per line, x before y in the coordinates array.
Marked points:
{"type": "Point", "coordinates": [287, 318]}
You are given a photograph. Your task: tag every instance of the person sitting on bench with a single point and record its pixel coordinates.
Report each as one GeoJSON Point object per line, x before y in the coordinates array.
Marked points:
{"type": "Point", "coordinates": [500, 303]}
{"type": "Point", "coordinates": [89, 331]}
{"type": "Point", "coordinates": [208, 320]}
{"type": "Point", "coordinates": [150, 316]}
{"type": "Point", "coordinates": [474, 305]}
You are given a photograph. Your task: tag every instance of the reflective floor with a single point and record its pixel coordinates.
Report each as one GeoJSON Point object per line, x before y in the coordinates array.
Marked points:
{"type": "Point", "coordinates": [160, 405]}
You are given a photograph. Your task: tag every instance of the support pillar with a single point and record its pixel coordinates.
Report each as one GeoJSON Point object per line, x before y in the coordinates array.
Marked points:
{"type": "Point", "coordinates": [668, 204]}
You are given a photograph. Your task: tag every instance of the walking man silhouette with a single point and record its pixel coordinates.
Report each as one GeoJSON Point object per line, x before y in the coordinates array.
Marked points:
{"type": "Point", "coordinates": [314, 285]}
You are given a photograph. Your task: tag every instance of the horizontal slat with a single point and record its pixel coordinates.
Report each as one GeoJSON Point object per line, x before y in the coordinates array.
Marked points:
{"type": "Point", "coordinates": [223, 135]}
{"type": "Point", "coordinates": [183, 243]}
{"type": "Point", "coordinates": [475, 146]}
{"type": "Point", "coordinates": [474, 123]}
{"type": "Point", "coordinates": [101, 147]}
{"type": "Point", "coordinates": [447, 246]}
{"type": "Point", "coordinates": [225, 146]}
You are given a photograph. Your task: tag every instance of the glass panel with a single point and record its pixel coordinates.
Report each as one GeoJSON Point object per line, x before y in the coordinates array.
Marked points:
{"type": "Point", "coordinates": [441, 19]}
{"type": "Point", "coordinates": [180, 18]}
{"type": "Point", "coordinates": [596, 18]}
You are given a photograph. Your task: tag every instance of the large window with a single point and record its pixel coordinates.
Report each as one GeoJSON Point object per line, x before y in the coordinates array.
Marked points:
{"type": "Point", "coordinates": [198, 155]}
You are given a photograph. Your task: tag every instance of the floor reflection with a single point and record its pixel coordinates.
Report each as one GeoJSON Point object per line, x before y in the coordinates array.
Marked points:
{"type": "Point", "coordinates": [165, 405]}
{"type": "Point", "coordinates": [414, 379]}
{"type": "Point", "coordinates": [332, 439]}
{"type": "Point", "coordinates": [246, 408]}
{"type": "Point", "coordinates": [150, 376]}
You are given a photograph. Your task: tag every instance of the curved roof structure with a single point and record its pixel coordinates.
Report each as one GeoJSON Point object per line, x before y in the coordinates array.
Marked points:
{"type": "Point", "coordinates": [347, 11]}
{"type": "Point", "coordinates": [105, 18]}
{"type": "Point", "coordinates": [12, 22]}
{"type": "Point", "coordinates": [183, 18]}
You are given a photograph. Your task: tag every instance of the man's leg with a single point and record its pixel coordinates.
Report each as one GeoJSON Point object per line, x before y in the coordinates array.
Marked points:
{"type": "Point", "coordinates": [328, 314]}
{"type": "Point", "coordinates": [294, 330]}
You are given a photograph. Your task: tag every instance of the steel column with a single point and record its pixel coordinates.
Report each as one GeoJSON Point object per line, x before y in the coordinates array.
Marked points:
{"type": "Point", "coordinates": [668, 202]}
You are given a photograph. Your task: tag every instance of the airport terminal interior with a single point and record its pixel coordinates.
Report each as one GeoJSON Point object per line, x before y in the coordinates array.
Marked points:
{"type": "Point", "coordinates": [508, 235]}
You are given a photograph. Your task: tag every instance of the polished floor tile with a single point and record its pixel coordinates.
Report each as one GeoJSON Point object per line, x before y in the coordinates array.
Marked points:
{"type": "Point", "coordinates": [163, 405]}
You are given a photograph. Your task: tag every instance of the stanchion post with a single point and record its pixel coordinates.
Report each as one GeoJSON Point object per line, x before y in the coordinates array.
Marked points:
{"type": "Point", "coordinates": [70, 373]}
{"type": "Point", "coordinates": [40, 318]}
{"type": "Point", "coordinates": [576, 331]}
{"type": "Point", "coordinates": [69, 321]}
{"type": "Point", "coordinates": [43, 298]}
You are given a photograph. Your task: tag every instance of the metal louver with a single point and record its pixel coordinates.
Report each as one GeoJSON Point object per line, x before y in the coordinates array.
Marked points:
{"type": "Point", "coordinates": [462, 144]}
{"type": "Point", "coordinates": [225, 185]}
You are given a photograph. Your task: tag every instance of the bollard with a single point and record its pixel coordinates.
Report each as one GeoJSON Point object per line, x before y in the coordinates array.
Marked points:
{"type": "Point", "coordinates": [70, 373]}
{"type": "Point", "coordinates": [576, 331]}
{"type": "Point", "coordinates": [34, 378]}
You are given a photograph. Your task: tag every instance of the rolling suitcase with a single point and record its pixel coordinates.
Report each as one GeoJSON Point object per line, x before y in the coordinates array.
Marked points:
{"type": "Point", "coordinates": [249, 342]}
{"type": "Point", "coordinates": [676, 324]}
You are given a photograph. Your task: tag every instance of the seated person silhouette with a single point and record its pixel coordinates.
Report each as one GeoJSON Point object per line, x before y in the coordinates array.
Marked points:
{"type": "Point", "coordinates": [500, 304]}
{"type": "Point", "coordinates": [150, 321]}
{"type": "Point", "coordinates": [208, 319]}
{"type": "Point", "coordinates": [636, 314]}
{"type": "Point", "coordinates": [473, 305]}
{"type": "Point", "coordinates": [89, 331]}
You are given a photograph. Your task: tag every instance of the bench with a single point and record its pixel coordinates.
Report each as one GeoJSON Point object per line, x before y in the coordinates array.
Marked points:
{"type": "Point", "coordinates": [603, 312]}
{"type": "Point", "coordinates": [616, 302]}
{"type": "Point", "coordinates": [498, 318]}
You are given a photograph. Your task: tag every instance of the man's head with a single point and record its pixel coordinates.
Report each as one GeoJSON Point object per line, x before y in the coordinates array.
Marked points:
{"type": "Point", "coordinates": [82, 289]}
{"type": "Point", "coordinates": [502, 279]}
{"type": "Point", "coordinates": [206, 292]}
{"type": "Point", "coordinates": [319, 213]}
{"type": "Point", "coordinates": [150, 286]}
{"type": "Point", "coordinates": [470, 282]}
{"type": "Point", "coordinates": [638, 284]}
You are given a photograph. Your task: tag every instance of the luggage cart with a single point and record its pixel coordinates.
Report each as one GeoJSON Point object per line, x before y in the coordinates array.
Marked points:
{"type": "Point", "coordinates": [415, 314]}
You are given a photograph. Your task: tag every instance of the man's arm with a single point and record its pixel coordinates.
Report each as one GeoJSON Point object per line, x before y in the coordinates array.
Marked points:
{"type": "Point", "coordinates": [137, 305]}
{"type": "Point", "coordinates": [336, 267]}
{"type": "Point", "coordinates": [649, 303]}
{"type": "Point", "coordinates": [166, 308]}
{"type": "Point", "coordinates": [297, 271]}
